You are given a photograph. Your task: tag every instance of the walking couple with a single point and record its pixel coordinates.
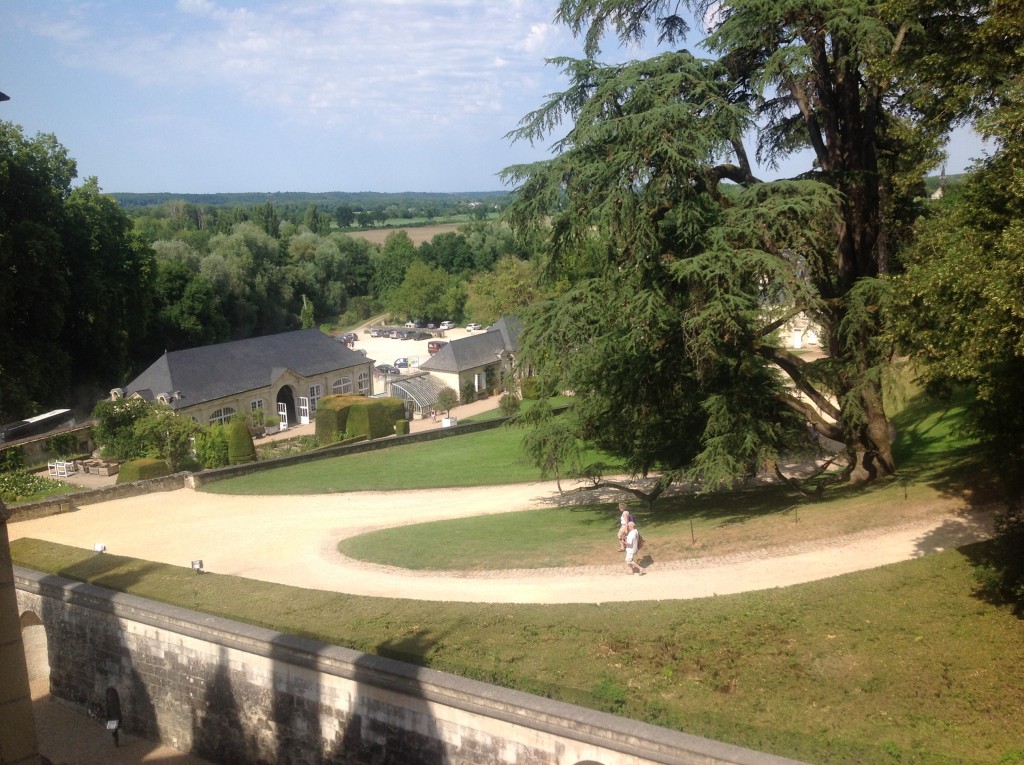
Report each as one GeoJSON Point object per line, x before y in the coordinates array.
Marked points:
{"type": "Point", "coordinates": [629, 539]}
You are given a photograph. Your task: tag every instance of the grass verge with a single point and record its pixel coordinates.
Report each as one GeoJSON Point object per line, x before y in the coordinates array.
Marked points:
{"type": "Point", "coordinates": [903, 664]}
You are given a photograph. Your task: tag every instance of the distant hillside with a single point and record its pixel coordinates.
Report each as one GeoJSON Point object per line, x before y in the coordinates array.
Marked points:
{"type": "Point", "coordinates": [364, 199]}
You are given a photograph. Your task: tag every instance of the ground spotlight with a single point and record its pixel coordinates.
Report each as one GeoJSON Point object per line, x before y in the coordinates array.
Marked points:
{"type": "Point", "coordinates": [99, 547]}
{"type": "Point", "coordinates": [197, 565]}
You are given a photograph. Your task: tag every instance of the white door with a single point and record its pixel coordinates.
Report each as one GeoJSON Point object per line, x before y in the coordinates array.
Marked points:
{"type": "Point", "coordinates": [282, 415]}
{"type": "Point", "coordinates": [303, 410]}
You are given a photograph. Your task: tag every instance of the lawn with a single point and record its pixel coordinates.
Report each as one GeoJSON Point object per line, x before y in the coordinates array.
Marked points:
{"type": "Point", "coordinates": [475, 459]}
{"type": "Point", "coordinates": [909, 663]}
{"type": "Point", "coordinates": [903, 664]}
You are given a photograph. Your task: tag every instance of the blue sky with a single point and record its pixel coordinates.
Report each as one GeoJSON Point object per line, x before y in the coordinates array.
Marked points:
{"type": "Point", "coordinates": [200, 96]}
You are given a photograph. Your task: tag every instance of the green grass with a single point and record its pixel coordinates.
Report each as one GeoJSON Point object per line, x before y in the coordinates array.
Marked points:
{"type": "Point", "coordinates": [903, 664]}
{"type": "Point", "coordinates": [476, 459]}
{"type": "Point", "coordinates": [909, 663]}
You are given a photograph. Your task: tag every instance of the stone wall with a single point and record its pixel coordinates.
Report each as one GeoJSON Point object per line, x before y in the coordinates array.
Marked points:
{"type": "Point", "coordinates": [234, 693]}
{"type": "Point", "coordinates": [66, 503]}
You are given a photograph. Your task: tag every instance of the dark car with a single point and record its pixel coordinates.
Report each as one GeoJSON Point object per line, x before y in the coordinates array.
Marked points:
{"type": "Point", "coordinates": [420, 335]}
{"type": "Point", "coordinates": [387, 369]}
{"type": "Point", "coordinates": [348, 337]}
{"type": "Point", "coordinates": [375, 331]}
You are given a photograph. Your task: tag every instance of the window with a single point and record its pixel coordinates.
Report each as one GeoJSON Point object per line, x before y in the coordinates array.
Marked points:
{"type": "Point", "coordinates": [256, 406]}
{"type": "Point", "coordinates": [342, 385]}
{"type": "Point", "coordinates": [222, 416]}
{"type": "Point", "coordinates": [479, 382]}
{"type": "Point", "coordinates": [364, 383]}
{"type": "Point", "coordinates": [315, 392]}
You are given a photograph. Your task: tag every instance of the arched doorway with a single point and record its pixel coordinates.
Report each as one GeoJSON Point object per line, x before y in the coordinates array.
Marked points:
{"type": "Point", "coordinates": [286, 400]}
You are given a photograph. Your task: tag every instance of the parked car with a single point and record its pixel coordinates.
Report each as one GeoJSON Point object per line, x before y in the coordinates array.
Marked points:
{"type": "Point", "coordinates": [410, 325]}
{"type": "Point", "coordinates": [420, 335]}
{"type": "Point", "coordinates": [473, 325]}
{"type": "Point", "coordinates": [447, 324]}
{"type": "Point", "coordinates": [431, 326]}
{"type": "Point", "coordinates": [348, 337]}
{"type": "Point", "coordinates": [402, 363]}
{"type": "Point", "coordinates": [375, 331]}
{"type": "Point", "coordinates": [387, 369]}
{"type": "Point", "coordinates": [435, 345]}
{"type": "Point", "coordinates": [395, 334]}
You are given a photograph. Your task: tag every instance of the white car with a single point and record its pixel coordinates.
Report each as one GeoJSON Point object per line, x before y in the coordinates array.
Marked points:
{"type": "Point", "coordinates": [473, 325]}
{"type": "Point", "coordinates": [447, 325]}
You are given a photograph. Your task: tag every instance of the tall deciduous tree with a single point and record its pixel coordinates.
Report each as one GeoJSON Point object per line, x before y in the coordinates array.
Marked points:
{"type": "Point", "coordinates": [704, 272]}
{"type": "Point", "coordinates": [76, 286]}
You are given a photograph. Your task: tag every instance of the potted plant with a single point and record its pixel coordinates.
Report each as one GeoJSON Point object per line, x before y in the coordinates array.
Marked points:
{"type": "Point", "coordinates": [271, 422]}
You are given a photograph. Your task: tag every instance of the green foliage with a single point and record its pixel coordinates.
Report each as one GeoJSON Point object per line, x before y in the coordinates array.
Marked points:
{"type": "Point", "coordinates": [550, 442]}
{"type": "Point", "coordinates": [468, 393]}
{"type": "Point", "coordinates": [17, 485]}
{"type": "Point", "coordinates": [114, 431]}
{"type": "Point", "coordinates": [693, 277]}
{"type": "Point", "coordinates": [530, 387]}
{"type": "Point", "coordinates": [351, 416]}
{"type": "Point", "coordinates": [330, 421]}
{"type": "Point", "coordinates": [11, 458]}
{"type": "Point", "coordinates": [62, 445]}
{"type": "Point", "coordinates": [447, 399]}
{"type": "Point", "coordinates": [509, 404]}
{"type": "Point", "coordinates": [241, 449]}
{"type": "Point", "coordinates": [212, 447]}
{"type": "Point", "coordinates": [508, 289]}
{"type": "Point", "coordinates": [402, 427]}
{"type": "Point", "coordinates": [167, 435]}
{"type": "Point", "coordinates": [142, 470]}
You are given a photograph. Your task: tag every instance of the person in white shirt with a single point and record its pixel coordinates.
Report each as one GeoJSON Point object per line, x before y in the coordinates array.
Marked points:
{"type": "Point", "coordinates": [632, 545]}
{"type": "Point", "coordinates": [623, 522]}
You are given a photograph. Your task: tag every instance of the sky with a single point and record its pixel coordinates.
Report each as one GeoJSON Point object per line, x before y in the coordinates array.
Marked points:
{"type": "Point", "coordinates": [207, 96]}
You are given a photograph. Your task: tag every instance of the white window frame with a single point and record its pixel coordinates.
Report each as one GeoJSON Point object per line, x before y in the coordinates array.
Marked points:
{"type": "Point", "coordinates": [256, 405]}
{"type": "Point", "coordinates": [363, 383]}
{"type": "Point", "coordinates": [342, 386]}
{"type": "Point", "coordinates": [315, 392]}
{"type": "Point", "coordinates": [222, 416]}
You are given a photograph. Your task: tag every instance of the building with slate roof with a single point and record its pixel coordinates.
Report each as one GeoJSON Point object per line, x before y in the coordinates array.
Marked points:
{"type": "Point", "coordinates": [480, 360]}
{"type": "Point", "coordinates": [284, 374]}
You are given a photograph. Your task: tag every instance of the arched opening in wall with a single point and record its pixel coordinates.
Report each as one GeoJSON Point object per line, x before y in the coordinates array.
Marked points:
{"type": "Point", "coordinates": [113, 714]}
{"type": "Point", "coordinates": [33, 637]}
{"type": "Point", "coordinates": [589, 762]}
{"type": "Point", "coordinates": [286, 397]}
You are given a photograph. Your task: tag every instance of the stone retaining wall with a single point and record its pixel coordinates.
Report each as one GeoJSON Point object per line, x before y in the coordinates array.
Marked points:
{"type": "Point", "coordinates": [230, 692]}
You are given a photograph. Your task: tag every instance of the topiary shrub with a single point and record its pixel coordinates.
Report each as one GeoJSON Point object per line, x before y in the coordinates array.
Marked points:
{"type": "Point", "coordinates": [530, 388]}
{"type": "Point", "coordinates": [332, 413]}
{"type": "Point", "coordinates": [241, 449]}
{"type": "Point", "coordinates": [375, 417]}
{"type": "Point", "coordinates": [402, 427]}
{"type": "Point", "coordinates": [509, 404]}
{"type": "Point", "coordinates": [467, 395]}
{"type": "Point", "coordinates": [141, 470]}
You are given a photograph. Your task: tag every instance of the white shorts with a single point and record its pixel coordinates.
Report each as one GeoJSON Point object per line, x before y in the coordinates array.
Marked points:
{"type": "Point", "coordinates": [629, 554]}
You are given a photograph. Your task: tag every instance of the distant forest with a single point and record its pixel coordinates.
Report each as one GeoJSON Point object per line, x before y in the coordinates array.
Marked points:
{"type": "Point", "coordinates": [365, 200]}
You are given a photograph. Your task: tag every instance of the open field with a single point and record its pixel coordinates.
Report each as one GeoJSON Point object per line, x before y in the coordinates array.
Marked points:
{"type": "Point", "coordinates": [418, 234]}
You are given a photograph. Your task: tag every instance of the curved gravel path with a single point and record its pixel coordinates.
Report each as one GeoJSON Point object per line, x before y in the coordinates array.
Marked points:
{"type": "Point", "coordinates": [293, 540]}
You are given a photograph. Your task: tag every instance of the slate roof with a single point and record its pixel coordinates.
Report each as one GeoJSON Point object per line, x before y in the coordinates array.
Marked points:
{"type": "Point", "coordinates": [225, 369]}
{"type": "Point", "coordinates": [466, 353]}
{"type": "Point", "coordinates": [510, 328]}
